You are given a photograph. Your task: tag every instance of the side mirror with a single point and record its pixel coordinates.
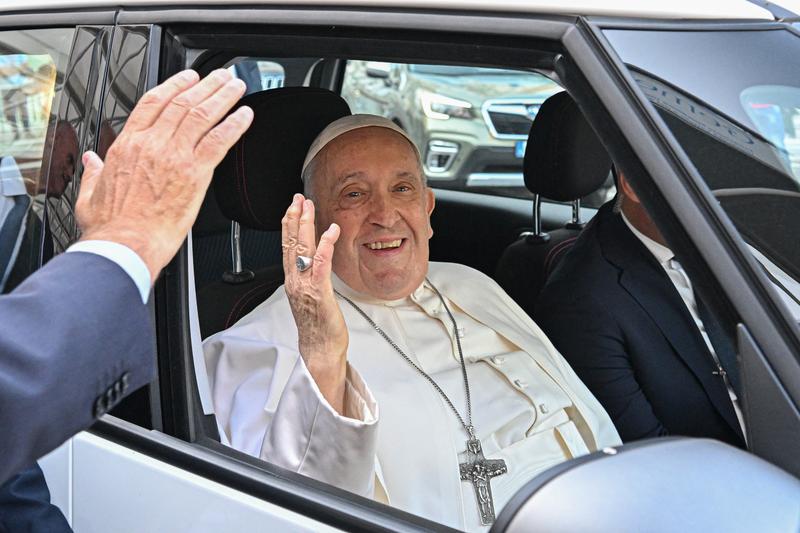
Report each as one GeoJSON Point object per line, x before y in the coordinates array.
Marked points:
{"type": "Point", "coordinates": [661, 485]}
{"type": "Point", "coordinates": [378, 69]}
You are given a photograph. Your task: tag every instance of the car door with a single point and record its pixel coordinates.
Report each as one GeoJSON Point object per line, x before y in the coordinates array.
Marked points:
{"type": "Point", "coordinates": [159, 465]}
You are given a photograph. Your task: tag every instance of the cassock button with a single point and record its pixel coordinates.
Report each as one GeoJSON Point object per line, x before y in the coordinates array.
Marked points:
{"type": "Point", "coordinates": [520, 383]}
{"type": "Point", "coordinates": [543, 408]}
{"type": "Point", "coordinates": [498, 359]}
{"type": "Point", "coordinates": [460, 332]}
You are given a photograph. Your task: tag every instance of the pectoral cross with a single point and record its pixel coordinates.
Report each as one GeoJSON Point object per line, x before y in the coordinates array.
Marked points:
{"type": "Point", "coordinates": [480, 471]}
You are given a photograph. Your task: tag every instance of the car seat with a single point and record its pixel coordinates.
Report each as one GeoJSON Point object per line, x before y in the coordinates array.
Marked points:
{"type": "Point", "coordinates": [564, 161]}
{"type": "Point", "coordinates": [253, 186]}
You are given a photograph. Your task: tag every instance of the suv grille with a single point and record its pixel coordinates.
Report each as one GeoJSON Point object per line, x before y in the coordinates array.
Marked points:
{"type": "Point", "coordinates": [510, 124]}
{"type": "Point", "coordinates": [510, 119]}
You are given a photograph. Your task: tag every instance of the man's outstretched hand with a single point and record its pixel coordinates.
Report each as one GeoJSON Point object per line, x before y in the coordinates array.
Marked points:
{"type": "Point", "coordinates": [148, 192]}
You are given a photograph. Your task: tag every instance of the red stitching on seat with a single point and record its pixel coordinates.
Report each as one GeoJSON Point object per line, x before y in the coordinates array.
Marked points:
{"type": "Point", "coordinates": [554, 251]}
{"type": "Point", "coordinates": [234, 309]}
{"type": "Point", "coordinates": [244, 184]}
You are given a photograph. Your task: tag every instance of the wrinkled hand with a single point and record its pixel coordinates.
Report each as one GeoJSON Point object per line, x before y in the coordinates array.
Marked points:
{"type": "Point", "coordinates": [148, 192]}
{"type": "Point", "coordinates": [322, 332]}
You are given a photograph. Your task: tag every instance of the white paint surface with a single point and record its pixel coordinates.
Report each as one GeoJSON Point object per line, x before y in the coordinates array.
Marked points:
{"type": "Point", "coordinates": [57, 468]}
{"type": "Point", "coordinates": [117, 489]}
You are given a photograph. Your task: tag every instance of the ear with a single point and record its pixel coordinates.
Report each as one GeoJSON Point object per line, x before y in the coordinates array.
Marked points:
{"type": "Point", "coordinates": [430, 201]}
{"type": "Point", "coordinates": [626, 188]}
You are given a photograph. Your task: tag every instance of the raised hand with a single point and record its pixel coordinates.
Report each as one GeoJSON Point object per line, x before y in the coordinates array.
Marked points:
{"type": "Point", "coordinates": [321, 330]}
{"type": "Point", "coordinates": [148, 192]}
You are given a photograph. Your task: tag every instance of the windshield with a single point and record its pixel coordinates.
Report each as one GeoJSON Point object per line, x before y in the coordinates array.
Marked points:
{"type": "Point", "coordinates": [732, 100]}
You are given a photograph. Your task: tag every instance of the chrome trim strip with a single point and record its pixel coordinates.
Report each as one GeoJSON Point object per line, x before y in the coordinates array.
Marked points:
{"type": "Point", "coordinates": [496, 179]}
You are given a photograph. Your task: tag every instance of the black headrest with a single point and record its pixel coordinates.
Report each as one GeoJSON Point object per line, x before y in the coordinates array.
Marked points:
{"type": "Point", "coordinates": [564, 159]}
{"type": "Point", "coordinates": [255, 182]}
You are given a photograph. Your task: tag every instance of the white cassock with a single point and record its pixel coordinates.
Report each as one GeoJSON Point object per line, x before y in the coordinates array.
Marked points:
{"type": "Point", "coordinates": [400, 443]}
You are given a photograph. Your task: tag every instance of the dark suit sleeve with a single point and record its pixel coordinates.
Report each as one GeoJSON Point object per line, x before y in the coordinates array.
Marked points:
{"type": "Point", "coordinates": [74, 338]}
{"type": "Point", "coordinates": [594, 345]}
{"type": "Point", "coordinates": [25, 504]}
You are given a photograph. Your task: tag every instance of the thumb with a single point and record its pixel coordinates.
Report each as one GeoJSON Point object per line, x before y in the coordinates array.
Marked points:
{"type": "Point", "coordinates": [92, 168]}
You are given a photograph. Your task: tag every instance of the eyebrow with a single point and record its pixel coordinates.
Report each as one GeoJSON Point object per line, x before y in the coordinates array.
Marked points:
{"type": "Point", "coordinates": [357, 174]}
{"type": "Point", "coordinates": [342, 180]}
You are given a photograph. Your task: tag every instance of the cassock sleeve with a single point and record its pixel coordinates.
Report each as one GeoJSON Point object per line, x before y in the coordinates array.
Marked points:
{"type": "Point", "coordinates": [268, 405]}
{"type": "Point", "coordinates": [308, 436]}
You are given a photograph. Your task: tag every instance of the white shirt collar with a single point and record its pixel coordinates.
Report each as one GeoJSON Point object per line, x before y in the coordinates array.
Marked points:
{"type": "Point", "coordinates": [346, 290]}
{"type": "Point", "coordinates": [659, 251]}
{"type": "Point", "coordinates": [11, 181]}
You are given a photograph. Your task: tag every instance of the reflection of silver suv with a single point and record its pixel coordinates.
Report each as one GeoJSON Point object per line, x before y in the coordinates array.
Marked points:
{"type": "Point", "coordinates": [470, 123]}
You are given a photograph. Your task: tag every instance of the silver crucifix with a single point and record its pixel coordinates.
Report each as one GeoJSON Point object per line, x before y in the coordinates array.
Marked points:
{"type": "Point", "coordinates": [480, 471]}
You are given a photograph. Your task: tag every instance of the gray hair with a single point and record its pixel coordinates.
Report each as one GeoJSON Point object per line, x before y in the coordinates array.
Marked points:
{"type": "Point", "coordinates": [308, 173]}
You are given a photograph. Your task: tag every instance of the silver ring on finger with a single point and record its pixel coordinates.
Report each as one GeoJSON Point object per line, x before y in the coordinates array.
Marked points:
{"type": "Point", "coordinates": [303, 263]}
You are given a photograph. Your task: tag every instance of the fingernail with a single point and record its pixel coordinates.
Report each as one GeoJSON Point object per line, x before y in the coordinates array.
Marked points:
{"type": "Point", "coordinates": [188, 75]}
{"type": "Point", "coordinates": [223, 74]}
{"type": "Point", "coordinates": [236, 83]}
{"type": "Point", "coordinates": [246, 112]}
{"type": "Point", "coordinates": [88, 156]}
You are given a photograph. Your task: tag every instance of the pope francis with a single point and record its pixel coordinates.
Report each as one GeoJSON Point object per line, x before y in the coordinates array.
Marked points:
{"type": "Point", "coordinates": [419, 384]}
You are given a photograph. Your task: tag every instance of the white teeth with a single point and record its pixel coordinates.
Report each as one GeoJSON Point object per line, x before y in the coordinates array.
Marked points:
{"type": "Point", "coordinates": [383, 245]}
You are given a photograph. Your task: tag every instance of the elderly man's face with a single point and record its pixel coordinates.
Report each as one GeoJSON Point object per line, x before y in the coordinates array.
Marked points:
{"type": "Point", "coordinates": [368, 181]}
{"type": "Point", "coordinates": [63, 160]}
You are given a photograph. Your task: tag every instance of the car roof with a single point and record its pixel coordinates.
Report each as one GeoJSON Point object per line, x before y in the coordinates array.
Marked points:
{"type": "Point", "coordinates": [650, 9]}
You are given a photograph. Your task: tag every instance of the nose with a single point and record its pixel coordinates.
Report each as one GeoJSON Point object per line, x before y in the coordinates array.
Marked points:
{"type": "Point", "coordinates": [382, 211]}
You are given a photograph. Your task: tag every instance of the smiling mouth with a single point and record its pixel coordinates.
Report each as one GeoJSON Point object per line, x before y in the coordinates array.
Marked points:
{"type": "Point", "coordinates": [384, 245]}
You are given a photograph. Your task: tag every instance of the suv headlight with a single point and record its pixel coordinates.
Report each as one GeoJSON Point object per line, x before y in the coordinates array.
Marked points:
{"type": "Point", "coordinates": [443, 107]}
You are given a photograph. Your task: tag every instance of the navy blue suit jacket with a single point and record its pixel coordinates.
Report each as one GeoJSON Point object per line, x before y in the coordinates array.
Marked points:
{"type": "Point", "coordinates": [614, 314]}
{"type": "Point", "coordinates": [74, 338]}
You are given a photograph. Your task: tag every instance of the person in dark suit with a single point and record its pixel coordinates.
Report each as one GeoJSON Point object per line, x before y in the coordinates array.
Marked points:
{"type": "Point", "coordinates": [76, 336]}
{"type": "Point", "coordinates": [25, 505]}
{"type": "Point", "coordinates": [622, 311]}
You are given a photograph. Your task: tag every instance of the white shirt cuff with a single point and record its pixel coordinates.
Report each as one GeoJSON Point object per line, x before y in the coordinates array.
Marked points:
{"type": "Point", "coordinates": [127, 259]}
